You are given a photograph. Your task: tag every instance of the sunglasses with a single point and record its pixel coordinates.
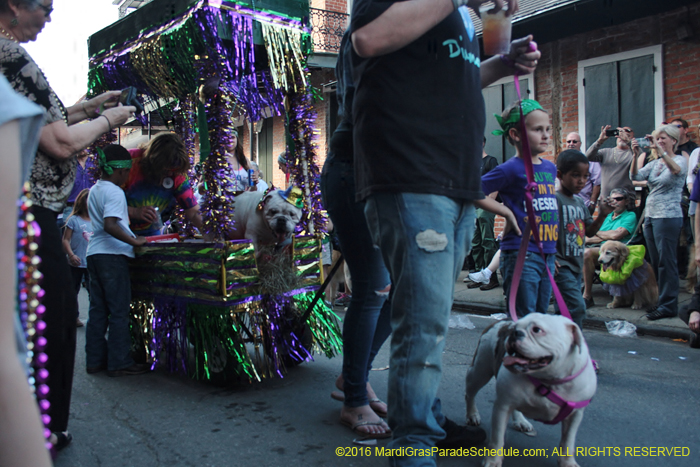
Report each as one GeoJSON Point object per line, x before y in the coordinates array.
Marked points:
{"type": "Point", "coordinates": [628, 130]}
{"type": "Point", "coordinates": [47, 10]}
{"type": "Point", "coordinates": [572, 141]}
{"type": "Point", "coordinates": [617, 198]}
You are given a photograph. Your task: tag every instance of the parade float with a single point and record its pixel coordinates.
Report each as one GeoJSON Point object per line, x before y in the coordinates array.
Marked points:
{"type": "Point", "coordinates": [214, 310]}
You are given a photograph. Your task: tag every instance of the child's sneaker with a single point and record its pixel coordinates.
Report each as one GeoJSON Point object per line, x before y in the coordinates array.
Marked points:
{"type": "Point", "coordinates": [482, 277]}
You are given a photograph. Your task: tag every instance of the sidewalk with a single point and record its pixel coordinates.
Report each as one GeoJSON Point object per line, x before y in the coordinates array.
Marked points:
{"type": "Point", "coordinates": [493, 301]}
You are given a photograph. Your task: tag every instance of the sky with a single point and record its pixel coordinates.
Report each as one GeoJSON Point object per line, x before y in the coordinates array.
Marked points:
{"type": "Point", "coordinates": [61, 48]}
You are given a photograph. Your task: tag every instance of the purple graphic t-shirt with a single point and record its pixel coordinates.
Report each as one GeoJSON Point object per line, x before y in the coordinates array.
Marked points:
{"type": "Point", "coordinates": [509, 181]}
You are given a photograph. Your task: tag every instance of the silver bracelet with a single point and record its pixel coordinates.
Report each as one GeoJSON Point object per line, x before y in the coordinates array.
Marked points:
{"type": "Point", "coordinates": [108, 122]}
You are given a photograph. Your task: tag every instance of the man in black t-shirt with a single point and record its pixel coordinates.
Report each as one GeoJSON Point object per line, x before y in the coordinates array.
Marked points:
{"type": "Point", "coordinates": [684, 144]}
{"type": "Point", "coordinates": [418, 125]}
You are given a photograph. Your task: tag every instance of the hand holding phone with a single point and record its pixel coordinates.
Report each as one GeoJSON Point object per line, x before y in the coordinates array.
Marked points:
{"type": "Point", "coordinates": [643, 142]}
{"type": "Point", "coordinates": [129, 96]}
{"type": "Point", "coordinates": [612, 132]}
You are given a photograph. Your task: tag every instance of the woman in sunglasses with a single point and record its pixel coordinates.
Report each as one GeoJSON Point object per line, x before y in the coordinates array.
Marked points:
{"type": "Point", "coordinates": [665, 176]}
{"type": "Point", "coordinates": [52, 176]}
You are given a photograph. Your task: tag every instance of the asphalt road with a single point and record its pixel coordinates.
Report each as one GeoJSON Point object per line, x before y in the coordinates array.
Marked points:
{"type": "Point", "coordinates": [646, 399]}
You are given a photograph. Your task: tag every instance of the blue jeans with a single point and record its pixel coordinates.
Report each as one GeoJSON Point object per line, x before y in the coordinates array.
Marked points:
{"type": "Point", "coordinates": [110, 301]}
{"type": "Point", "coordinates": [367, 320]}
{"type": "Point", "coordinates": [423, 239]}
{"type": "Point", "coordinates": [661, 236]}
{"type": "Point", "coordinates": [535, 289]}
{"type": "Point", "coordinates": [570, 287]}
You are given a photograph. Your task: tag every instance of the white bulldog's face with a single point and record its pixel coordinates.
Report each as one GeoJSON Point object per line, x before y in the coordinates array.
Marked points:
{"type": "Point", "coordinates": [281, 216]}
{"type": "Point", "coordinates": [540, 343]}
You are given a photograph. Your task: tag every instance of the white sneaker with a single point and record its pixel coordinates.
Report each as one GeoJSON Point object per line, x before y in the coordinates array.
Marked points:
{"type": "Point", "coordinates": [482, 277]}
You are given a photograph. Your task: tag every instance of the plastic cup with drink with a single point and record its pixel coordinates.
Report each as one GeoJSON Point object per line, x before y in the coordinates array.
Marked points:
{"type": "Point", "coordinates": [496, 28]}
{"type": "Point", "coordinates": [158, 223]}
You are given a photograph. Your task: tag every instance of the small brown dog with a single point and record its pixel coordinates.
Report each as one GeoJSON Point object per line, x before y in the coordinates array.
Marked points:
{"type": "Point", "coordinates": [612, 256]}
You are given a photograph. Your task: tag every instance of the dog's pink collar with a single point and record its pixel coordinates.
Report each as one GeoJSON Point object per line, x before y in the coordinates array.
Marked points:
{"type": "Point", "coordinates": [566, 407]}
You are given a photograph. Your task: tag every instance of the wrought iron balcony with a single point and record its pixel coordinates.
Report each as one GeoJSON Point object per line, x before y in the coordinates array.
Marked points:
{"type": "Point", "coordinates": [327, 28]}
{"type": "Point", "coordinates": [126, 6]}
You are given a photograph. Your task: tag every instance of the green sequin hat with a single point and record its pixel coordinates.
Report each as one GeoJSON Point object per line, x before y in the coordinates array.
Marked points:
{"type": "Point", "coordinates": [293, 196]}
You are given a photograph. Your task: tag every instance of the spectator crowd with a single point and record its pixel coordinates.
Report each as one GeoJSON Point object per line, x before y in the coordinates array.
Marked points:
{"type": "Point", "coordinates": [409, 192]}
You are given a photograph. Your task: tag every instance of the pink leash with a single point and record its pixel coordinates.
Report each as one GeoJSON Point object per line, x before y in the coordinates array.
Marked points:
{"type": "Point", "coordinates": [531, 226]}
{"type": "Point", "coordinates": [566, 407]}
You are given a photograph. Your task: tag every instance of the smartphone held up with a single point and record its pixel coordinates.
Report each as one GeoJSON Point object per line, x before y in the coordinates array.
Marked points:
{"type": "Point", "coordinates": [643, 142]}
{"type": "Point", "coordinates": [129, 96]}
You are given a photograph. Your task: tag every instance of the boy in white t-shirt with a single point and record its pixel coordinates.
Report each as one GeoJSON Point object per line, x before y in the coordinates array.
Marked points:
{"type": "Point", "coordinates": [108, 253]}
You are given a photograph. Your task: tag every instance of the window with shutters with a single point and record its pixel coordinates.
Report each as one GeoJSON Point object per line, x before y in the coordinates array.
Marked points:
{"type": "Point", "coordinates": [266, 158]}
{"type": "Point", "coordinates": [624, 89]}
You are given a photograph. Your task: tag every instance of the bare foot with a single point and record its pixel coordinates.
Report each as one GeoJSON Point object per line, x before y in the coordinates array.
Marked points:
{"type": "Point", "coordinates": [352, 416]}
{"type": "Point", "coordinates": [378, 405]}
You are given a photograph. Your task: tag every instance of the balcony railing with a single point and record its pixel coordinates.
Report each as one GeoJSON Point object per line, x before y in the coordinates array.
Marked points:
{"type": "Point", "coordinates": [327, 28]}
{"type": "Point", "coordinates": [126, 6]}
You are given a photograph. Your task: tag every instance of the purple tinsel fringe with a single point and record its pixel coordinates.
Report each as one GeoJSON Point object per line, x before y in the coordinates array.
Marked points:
{"type": "Point", "coordinates": [170, 332]}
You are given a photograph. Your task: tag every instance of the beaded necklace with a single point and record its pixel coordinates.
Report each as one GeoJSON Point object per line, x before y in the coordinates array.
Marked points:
{"type": "Point", "coordinates": [53, 95]}
{"type": "Point", "coordinates": [7, 34]}
{"type": "Point", "coordinates": [31, 309]}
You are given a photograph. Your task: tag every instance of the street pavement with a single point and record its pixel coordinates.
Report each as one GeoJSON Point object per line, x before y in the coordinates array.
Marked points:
{"type": "Point", "coordinates": [493, 301]}
{"type": "Point", "coordinates": [647, 397]}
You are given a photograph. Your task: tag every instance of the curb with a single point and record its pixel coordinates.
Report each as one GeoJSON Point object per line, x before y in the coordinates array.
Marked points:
{"type": "Point", "coordinates": [484, 309]}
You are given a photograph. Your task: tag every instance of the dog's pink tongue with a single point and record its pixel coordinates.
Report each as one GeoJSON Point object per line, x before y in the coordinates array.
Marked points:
{"type": "Point", "coordinates": [510, 360]}
{"type": "Point", "coordinates": [281, 237]}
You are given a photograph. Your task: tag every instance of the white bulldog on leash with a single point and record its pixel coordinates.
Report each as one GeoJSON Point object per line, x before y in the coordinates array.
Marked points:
{"type": "Point", "coordinates": [266, 218]}
{"type": "Point", "coordinates": [540, 363]}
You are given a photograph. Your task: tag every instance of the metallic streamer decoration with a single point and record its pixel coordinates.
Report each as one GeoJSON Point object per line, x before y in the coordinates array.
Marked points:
{"type": "Point", "coordinates": [185, 126]}
{"type": "Point", "coordinates": [150, 64]}
{"type": "Point", "coordinates": [301, 157]}
{"type": "Point", "coordinates": [217, 205]}
{"type": "Point", "coordinates": [177, 302]}
{"type": "Point", "coordinates": [208, 295]}
{"type": "Point", "coordinates": [287, 59]}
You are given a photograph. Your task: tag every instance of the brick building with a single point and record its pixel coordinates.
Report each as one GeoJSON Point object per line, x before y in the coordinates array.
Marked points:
{"type": "Point", "coordinates": [623, 62]}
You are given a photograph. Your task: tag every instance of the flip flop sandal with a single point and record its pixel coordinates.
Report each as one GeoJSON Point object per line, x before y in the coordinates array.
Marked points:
{"type": "Point", "coordinates": [340, 396]}
{"type": "Point", "coordinates": [364, 434]}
